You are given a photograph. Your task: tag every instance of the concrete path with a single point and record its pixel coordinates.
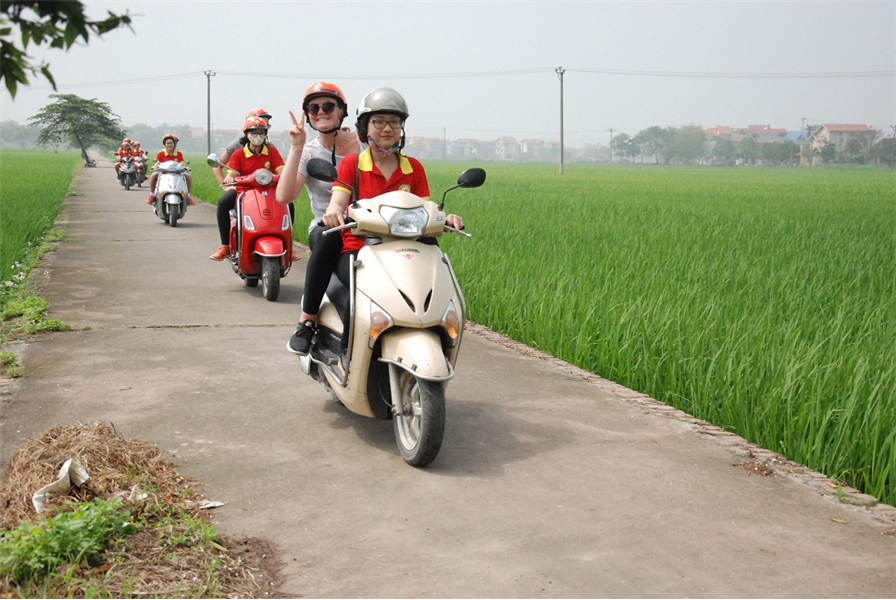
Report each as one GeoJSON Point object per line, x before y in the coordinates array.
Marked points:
{"type": "Point", "coordinates": [550, 483]}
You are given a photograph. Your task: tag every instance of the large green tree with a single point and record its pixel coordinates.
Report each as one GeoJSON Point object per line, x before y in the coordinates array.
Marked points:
{"type": "Point", "coordinates": [78, 123]}
{"type": "Point", "coordinates": [58, 23]}
{"type": "Point", "coordinates": [688, 143]}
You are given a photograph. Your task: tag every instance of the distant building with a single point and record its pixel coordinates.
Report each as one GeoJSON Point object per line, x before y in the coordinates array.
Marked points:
{"type": "Point", "coordinates": [762, 134]}
{"type": "Point", "coordinates": [507, 149]}
{"type": "Point", "coordinates": [837, 134]}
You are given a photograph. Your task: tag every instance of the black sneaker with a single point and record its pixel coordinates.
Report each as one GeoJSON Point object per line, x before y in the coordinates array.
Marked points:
{"type": "Point", "coordinates": [300, 342]}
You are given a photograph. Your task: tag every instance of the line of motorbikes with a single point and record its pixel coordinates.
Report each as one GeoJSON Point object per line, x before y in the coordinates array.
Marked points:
{"type": "Point", "coordinates": [170, 196]}
{"type": "Point", "coordinates": [387, 343]}
{"type": "Point", "coordinates": [131, 171]}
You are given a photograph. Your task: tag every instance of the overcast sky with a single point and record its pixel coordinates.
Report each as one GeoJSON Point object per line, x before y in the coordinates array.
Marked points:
{"type": "Point", "coordinates": [488, 69]}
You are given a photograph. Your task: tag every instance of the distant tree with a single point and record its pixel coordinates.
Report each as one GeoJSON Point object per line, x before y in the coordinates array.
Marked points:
{"type": "Point", "coordinates": [746, 150]}
{"type": "Point", "coordinates": [656, 141]}
{"type": "Point", "coordinates": [78, 123]}
{"type": "Point", "coordinates": [885, 151]}
{"type": "Point", "coordinates": [625, 146]}
{"type": "Point", "coordinates": [56, 23]}
{"type": "Point", "coordinates": [829, 152]}
{"type": "Point", "coordinates": [726, 150]}
{"type": "Point", "coordinates": [13, 135]}
{"type": "Point", "coordinates": [687, 143]}
{"type": "Point", "coordinates": [778, 153]}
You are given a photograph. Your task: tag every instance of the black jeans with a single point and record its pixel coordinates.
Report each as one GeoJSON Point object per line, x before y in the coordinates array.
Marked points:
{"type": "Point", "coordinates": [226, 203]}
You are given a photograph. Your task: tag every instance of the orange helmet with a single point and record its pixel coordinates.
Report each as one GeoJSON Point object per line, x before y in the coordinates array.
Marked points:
{"type": "Point", "coordinates": [324, 89]}
{"type": "Point", "coordinates": [170, 135]}
{"type": "Point", "coordinates": [255, 123]}
{"type": "Point", "coordinates": [259, 112]}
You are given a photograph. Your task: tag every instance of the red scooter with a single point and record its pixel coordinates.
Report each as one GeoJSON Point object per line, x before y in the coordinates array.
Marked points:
{"type": "Point", "coordinates": [260, 231]}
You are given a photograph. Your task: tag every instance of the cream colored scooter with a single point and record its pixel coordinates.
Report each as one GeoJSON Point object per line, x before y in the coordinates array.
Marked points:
{"type": "Point", "coordinates": [386, 346]}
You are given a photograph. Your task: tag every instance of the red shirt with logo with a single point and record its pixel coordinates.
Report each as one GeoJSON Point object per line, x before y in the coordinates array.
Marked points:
{"type": "Point", "coordinates": [163, 156]}
{"type": "Point", "coordinates": [246, 162]}
{"type": "Point", "coordinates": [408, 177]}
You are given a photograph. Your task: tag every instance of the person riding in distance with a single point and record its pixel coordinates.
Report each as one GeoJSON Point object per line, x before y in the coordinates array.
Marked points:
{"type": "Point", "coordinates": [255, 154]}
{"type": "Point", "coordinates": [124, 150]}
{"type": "Point", "coordinates": [170, 152]}
{"type": "Point", "coordinates": [238, 142]}
{"type": "Point", "coordinates": [324, 109]}
{"type": "Point", "coordinates": [380, 168]}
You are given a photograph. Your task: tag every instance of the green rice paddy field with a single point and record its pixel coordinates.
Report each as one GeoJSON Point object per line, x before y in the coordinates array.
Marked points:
{"type": "Point", "coordinates": [760, 300]}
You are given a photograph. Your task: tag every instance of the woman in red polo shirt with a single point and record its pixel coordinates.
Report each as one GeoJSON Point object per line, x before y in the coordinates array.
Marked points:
{"type": "Point", "coordinates": [169, 152]}
{"type": "Point", "coordinates": [381, 168]}
{"type": "Point", "coordinates": [255, 154]}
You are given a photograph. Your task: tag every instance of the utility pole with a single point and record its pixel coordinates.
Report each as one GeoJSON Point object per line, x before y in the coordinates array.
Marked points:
{"type": "Point", "coordinates": [893, 146]}
{"type": "Point", "coordinates": [803, 141]}
{"type": "Point", "coordinates": [444, 143]}
{"type": "Point", "coordinates": [208, 76]}
{"type": "Point", "coordinates": [611, 130]}
{"type": "Point", "coordinates": [560, 71]}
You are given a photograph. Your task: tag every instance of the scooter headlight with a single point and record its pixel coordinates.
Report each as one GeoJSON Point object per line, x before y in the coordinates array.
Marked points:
{"type": "Point", "coordinates": [263, 177]}
{"type": "Point", "coordinates": [405, 222]}
{"type": "Point", "coordinates": [380, 321]}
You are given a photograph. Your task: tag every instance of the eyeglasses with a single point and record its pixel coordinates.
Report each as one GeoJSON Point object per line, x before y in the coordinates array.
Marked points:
{"type": "Point", "coordinates": [326, 107]}
{"type": "Point", "coordinates": [395, 124]}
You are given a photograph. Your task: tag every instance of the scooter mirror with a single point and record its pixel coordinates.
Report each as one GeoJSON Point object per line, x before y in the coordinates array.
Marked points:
{"type": "Point", "coordinates": [471, 178]}
{"type": "Point", "coordinates": [213, 160]}
{"type": "Point", "coordinates": [319, 168]}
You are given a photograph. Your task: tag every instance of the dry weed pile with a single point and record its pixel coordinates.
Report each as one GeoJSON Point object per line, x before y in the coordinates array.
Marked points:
{"type": "Point", "coordinates": [146, 562]}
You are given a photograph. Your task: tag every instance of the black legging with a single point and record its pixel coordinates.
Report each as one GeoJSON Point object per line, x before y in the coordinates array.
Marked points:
{"type": "Point", "coordinates": [326, 250]}
{"type": "Point", "coordinates": [226, 203]}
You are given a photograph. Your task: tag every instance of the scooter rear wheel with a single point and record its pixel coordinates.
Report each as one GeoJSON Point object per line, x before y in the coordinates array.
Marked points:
{"type": "Point", "coordinates": [419, 431]}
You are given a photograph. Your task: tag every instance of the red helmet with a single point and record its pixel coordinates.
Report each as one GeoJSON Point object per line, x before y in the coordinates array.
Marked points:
{"type": "Point", "coordinates": [259, 112]}
{"type": "Point", "coordinates": [255, 123]}
{"type": "Point", "coordinates": [170, 135]}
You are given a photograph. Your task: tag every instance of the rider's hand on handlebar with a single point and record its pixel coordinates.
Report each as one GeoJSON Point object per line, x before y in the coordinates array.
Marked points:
{"type": "Point", "coordinates": [333, 217]}
{"type": "Point", "coordinates": [454, 221]}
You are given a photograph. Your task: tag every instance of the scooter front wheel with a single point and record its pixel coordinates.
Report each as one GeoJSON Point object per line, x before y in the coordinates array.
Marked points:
{"type": "Point", "coordinates": [270, 278]}
{"type": "Point", "coordinates": [421, 426]}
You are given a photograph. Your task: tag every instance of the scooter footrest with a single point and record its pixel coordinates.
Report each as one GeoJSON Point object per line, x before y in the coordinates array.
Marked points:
{"type": "Point", "coordinates": [328, 357]}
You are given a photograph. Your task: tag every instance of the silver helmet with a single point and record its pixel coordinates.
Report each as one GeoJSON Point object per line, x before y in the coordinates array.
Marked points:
{"type": "Point", "coordinates": [382, 100]}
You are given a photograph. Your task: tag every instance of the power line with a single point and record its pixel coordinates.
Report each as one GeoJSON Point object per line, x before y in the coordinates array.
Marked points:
{"type": "Point", "coordinates": [697, 75]}
{"type": "Point", "coordinates": [501, 73]}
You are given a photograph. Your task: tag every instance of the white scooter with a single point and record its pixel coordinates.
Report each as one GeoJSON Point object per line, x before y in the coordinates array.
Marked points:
{"type": "Point", "coordinates": [405, 316]}
{"type": "Point", "coordinates": [170, 202]}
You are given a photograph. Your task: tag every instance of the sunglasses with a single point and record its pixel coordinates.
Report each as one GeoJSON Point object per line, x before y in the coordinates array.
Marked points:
{"type": "Point", "coordinates": [325, 108]}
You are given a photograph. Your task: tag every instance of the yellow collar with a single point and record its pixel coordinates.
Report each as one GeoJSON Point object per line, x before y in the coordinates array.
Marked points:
{"type": "Point", "coordinates": [264, 151]}
{"type": "Point", "coordinates": [365, 162]}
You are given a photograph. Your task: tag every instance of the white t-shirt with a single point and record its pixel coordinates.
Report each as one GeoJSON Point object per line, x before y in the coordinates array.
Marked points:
{"type": "Point", "coordinates": [318, 191]}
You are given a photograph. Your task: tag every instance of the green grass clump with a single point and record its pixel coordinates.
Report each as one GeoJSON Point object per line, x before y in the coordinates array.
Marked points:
{"type": "Point", "coordinates": [35, 551]}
